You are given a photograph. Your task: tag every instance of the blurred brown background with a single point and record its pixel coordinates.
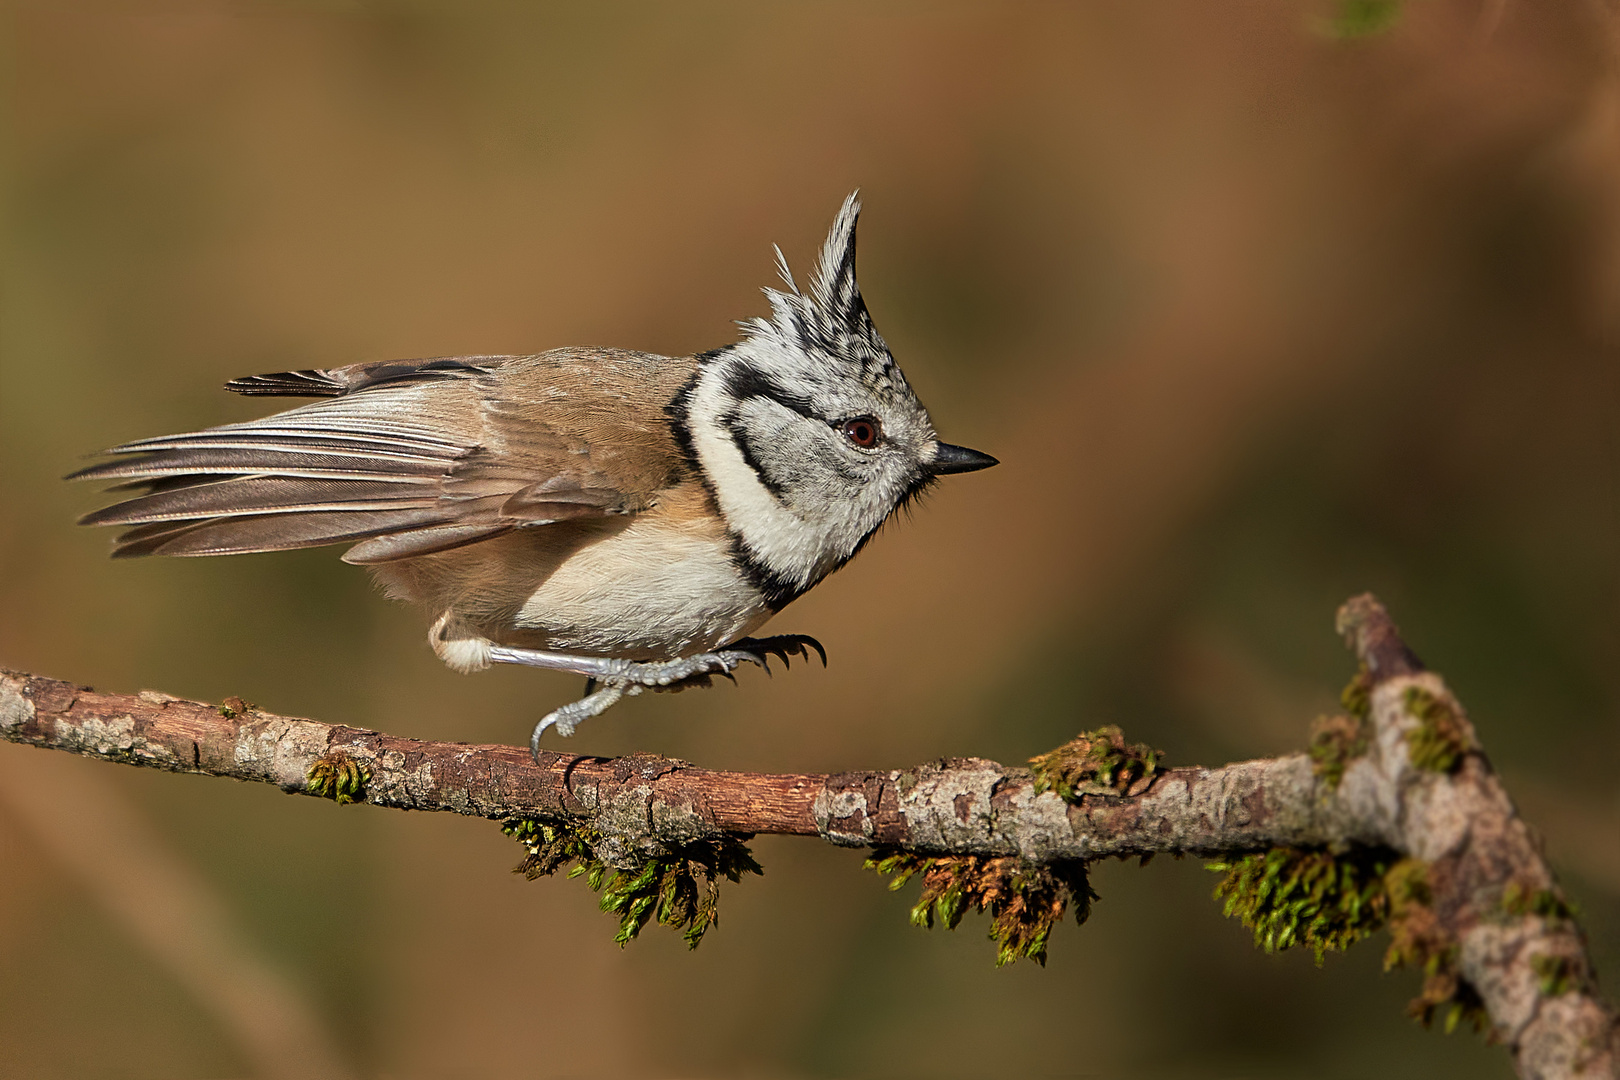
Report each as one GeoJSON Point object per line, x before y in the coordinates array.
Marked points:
{"type": "Point", "coordinates": [1255, 317]}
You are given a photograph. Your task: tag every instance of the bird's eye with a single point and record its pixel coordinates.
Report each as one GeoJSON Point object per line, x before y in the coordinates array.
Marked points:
{"type": "Point", "coordinates": [863, 431]}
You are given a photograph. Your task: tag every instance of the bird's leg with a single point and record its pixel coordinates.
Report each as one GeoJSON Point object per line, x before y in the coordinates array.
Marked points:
{"type": "Point", "coordinates": [662, 674]}
{"type": "Point", "coordinates": [617, 678]}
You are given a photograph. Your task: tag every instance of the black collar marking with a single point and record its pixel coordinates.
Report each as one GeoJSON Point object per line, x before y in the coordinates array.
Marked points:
{"type": "Point", "coordinates": [777, 589]}
{"type": "Point", "coordinates": [679, 411]}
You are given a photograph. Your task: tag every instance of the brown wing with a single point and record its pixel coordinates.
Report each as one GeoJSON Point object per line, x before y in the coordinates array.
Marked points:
{"type": "Point", "coordinates": [407, 458]}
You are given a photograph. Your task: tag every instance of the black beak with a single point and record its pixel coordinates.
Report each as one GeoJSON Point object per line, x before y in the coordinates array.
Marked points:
{"type": "Point", "coordinates": [952, 459]}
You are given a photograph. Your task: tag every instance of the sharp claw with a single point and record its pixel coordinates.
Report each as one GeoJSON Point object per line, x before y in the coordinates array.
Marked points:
{"type": "Point", "coordinates": [569, 717]}
{"type": "Point", "coordinates": [540, 729]}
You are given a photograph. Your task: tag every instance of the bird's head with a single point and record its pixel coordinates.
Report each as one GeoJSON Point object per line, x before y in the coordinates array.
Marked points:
{"type": "Point", "coordinates": [807, 429]}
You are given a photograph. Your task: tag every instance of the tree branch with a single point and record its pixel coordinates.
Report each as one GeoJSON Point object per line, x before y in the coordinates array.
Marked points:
{"type": "Point", "coordinates": [955, 806]}
{"type": "Point", "coordinates": [1491, 913]}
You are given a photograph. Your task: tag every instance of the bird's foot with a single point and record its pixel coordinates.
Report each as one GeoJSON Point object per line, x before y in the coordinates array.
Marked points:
{"type": "Point", "coordinates": [782, 646]}
{"type": "Point", "coordinates": [613, 678]}
{"type": "Point", "coordinates": [567, 718]}
{"type": "Point", "coordinates": [687, 672]}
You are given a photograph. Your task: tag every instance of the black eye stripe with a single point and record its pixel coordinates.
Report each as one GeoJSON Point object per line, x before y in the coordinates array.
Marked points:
{"type": "Point", "coordinates": [744, 382]}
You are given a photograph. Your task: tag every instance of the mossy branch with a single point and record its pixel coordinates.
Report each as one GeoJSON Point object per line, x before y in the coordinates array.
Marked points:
{"type": "Point", "coordinates": [1394, 818]}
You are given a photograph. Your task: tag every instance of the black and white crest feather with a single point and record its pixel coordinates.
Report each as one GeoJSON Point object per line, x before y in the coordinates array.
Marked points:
{"type": "Point", "coordinates": [830, 321]}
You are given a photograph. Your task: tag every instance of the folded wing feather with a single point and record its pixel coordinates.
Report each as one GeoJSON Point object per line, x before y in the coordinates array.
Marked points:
{"type": "Point", "coordinates": [407, 458]}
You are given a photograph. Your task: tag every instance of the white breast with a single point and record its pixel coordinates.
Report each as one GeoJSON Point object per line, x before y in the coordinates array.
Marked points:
{"type": "Point", "coordinates": [652, 590]}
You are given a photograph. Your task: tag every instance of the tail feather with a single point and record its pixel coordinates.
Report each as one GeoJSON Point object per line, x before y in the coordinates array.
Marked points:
{"type": "Point", "coordinates": [145, 539]}
{"type": "Point", "coordinates": [387, 457]}
{"type": "Point", "coordinates": [249, 495]}
{"type": "Point", "coordinates": [216, 467]}
{"type": "Point", "coordinates": [276, 532]}
{"type": "Point", "coordinates": [348, 437]}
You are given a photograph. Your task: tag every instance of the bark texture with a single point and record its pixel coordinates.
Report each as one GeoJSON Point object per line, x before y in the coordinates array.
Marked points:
{"type": "Point", "coordinates": [1421, 786]}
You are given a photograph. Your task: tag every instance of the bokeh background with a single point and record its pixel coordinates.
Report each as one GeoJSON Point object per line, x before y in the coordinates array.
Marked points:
{"type": "Point", "coordinates": [1258, 313]}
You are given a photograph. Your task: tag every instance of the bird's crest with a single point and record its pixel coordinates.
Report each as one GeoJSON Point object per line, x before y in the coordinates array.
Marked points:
{"type": "Point", "coordinates": [831, 318]}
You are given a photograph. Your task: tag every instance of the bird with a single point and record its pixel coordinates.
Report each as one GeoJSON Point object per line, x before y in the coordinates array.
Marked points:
{"type": "Point", "coordinates": [617, 514]}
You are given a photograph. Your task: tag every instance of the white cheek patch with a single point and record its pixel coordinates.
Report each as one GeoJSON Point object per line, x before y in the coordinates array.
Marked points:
{"type": "Point", "coordinates": [798, 550]}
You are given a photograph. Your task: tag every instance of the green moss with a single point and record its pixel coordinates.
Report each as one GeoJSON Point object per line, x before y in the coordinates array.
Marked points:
{"type": "Point", "coordinates": [1356, 697]}
{"type": "Point", "coordinates": [1024, 900]}
{"type": "Point", "coordinates": [1315, 899]}
{"type": "Point", "coordinates": [1096, 763]}
{"type": "Point", "coordinates": [233, 706]}
{"type": "Point", "coordinates": [547, 847]}
{"type": "Point", "coordinates": [1558, 975]}
{"type": "Point", "coordinates": [1519, 899]}
{"type": "Point", "coordinates": [337, 777]}
{"type": "Point", "coordinates": [1440, 740]}
{"type": "Point", "coordinates": [1328, 902]}
{"type": "Point", "coordinates": [1464, 1006]}
{"type": "Point", "coordinates": [1408, 883]}
{"type": "Point", "coordinates": [1335, 742]}
{"type": "Point", "coordinates": [680, 890]}
{"type": "Point", "coordinates": [1417, 940]}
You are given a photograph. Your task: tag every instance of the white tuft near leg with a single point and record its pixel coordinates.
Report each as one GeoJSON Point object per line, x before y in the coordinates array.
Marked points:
{"type": "Point", "coordinates": [460, 650]}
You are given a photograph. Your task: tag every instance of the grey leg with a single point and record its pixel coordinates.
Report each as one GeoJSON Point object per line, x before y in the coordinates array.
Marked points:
{"type": "Point", "coordinates": [607, 669]}
{"type": "Point", "coordinates": [619, 678]}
